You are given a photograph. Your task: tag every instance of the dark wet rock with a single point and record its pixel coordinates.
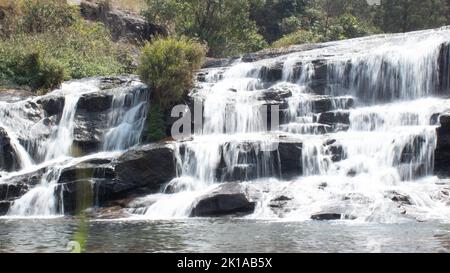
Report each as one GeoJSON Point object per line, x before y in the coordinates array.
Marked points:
{"type": "Point", "coordinates": [96, 169]}
{"type": "Point", "coordinates": [228, 199]}
{"type": "Point", "coordinates": [89, 131]}
{"type": "Point", "coordinates": [334, 117]}
{"type": "Point", "coordinates": [52, 105]}
{"type": "Point", "coordinates": [275, 95]}
{"type": "Point", "coordinates": [95, 102]}
{"type": "Point", "coordinates": [290, 154]}
{"type": "Point", "coordinates": [331, 217]}
{"type": "Point", "coordinates": [444, 68]}
{"type": "Point", "coordinates": [272, 73]}
{"type": "Point", "coordinates": [4, 207]}
{"type": "Point", "coordinates": [399, 198]}
{"type": "Point", "coordinates": [442, 153]}
{"type": "Point", "coordinates": [148, 167]}
{"type": "Point", "coordinates": [327, 104]}
{"type": "Point", "coordinates": [12, 191]}
{"type": "Point", "coordinates": [279, 203]}
{"type": "Point", "coordinates": [412, 150]}
{"type": "Point", "coordinates": [8, 157]}
{"type": "Point", "coordinates": [282, 198]}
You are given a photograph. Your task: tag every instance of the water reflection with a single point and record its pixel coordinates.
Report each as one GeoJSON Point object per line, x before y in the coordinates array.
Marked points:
{"type": "Point", "coordinates": [222, 235]}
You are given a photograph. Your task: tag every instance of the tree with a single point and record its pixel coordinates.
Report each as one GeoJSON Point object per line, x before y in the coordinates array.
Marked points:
{"type": "Point", "coordinates": [409, 15]}
{"type": "Point", "coordinates": [270, 14]}
{"type": "Point", "coordinates": [224, 25]}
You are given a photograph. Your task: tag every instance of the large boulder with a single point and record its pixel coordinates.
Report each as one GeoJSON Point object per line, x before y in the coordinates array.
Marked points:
{"type": "Point", "coordinates": [97, 182]}
{"type": "Point", "coordinates": [148, 167]}
{"type": "Point", "coordinates": [227, 199]}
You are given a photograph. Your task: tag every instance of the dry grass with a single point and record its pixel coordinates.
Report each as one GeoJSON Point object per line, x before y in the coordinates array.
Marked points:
{"type": "Point", "coordinates": [134, 6]}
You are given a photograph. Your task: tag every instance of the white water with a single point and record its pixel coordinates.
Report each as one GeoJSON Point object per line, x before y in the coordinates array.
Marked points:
{"type": "Point", "coordinates": [392, 78]}
{"type": "Point", "coordinates": [126, 121]}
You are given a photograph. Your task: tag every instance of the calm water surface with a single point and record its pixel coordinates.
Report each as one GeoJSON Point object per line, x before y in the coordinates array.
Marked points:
{"type": "Point", "coordinates": [223, 235]}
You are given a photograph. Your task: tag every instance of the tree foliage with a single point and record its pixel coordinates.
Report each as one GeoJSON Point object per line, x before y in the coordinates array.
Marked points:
{"type": "Point", "coordinates": [224, 25]}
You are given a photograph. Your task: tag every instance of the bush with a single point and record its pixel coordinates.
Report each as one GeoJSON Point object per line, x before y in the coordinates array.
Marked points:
{"type": "Point", "coordinates": [32, 69]}
{"type": "Point", "coordinates": [168, 67]}
{"type": "Point", "coordinates": [298, 37]}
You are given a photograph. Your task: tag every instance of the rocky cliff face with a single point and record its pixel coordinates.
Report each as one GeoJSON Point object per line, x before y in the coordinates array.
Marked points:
{"type": "Point", "coordinates": [124, 26]}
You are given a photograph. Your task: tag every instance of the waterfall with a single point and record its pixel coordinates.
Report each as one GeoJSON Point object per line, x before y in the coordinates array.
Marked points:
{"type": "Point", "coordinates": [361, 111]}
{"type": "Point", "coordinates": [126, 119]}
{"type": "Point", "coordinates": [125, 123]}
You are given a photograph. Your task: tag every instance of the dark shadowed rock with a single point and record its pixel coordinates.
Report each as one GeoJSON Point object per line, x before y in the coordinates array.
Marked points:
{"type": "Point", "coordinates": [399, 198]}
{"type": "Point", "coordinates": [326, 104]}
{"type": "Point", "coordinates": [12, 191]}
{"type": "Point", "coordinates": [444, 68]}
{"type": "Point", "coordinates": [8, 157]}
{"type": "Point", "coordinates": [228, 199]}
{"type": "Point", "coordinates": [290, 159]}
{"type": "Point", "coordinates": [331, 217]}
{"type": "Point", "coordinates": [95, 102]}
{"type": "Point", "coordinates": [442, 154]}
{"type": "Point", "coordinates": [148, 166]}
{"type": "Point", "coordinates": [4, 207]}
{"type": "Point", "coordinates": [52, 105]}
{"type": "Point", "coordinates": [334, 117]}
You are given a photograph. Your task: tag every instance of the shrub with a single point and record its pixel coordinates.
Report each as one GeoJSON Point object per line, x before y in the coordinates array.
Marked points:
{"type": "Point", "coordinates": [168, 67]}
{"type": "Point", "coordinates": [298, 37]}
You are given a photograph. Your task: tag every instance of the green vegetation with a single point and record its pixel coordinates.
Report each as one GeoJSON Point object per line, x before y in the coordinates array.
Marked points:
{"type": "Point", "coordinates": [155, 123]}
{"type": "Point", "coordinates": [168, 65]}
{"type": "Point", "coordinates": [225, 25]}
{"type": "Point", "coordinates": [231, 27]}
{"type": "Point", "coordinates": [49, 42]}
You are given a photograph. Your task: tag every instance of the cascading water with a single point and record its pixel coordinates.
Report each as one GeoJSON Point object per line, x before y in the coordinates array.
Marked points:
{"type": "Point", "coordinates": [369, 100]}
{"type": "Point", "coordinates": [126, 119]}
